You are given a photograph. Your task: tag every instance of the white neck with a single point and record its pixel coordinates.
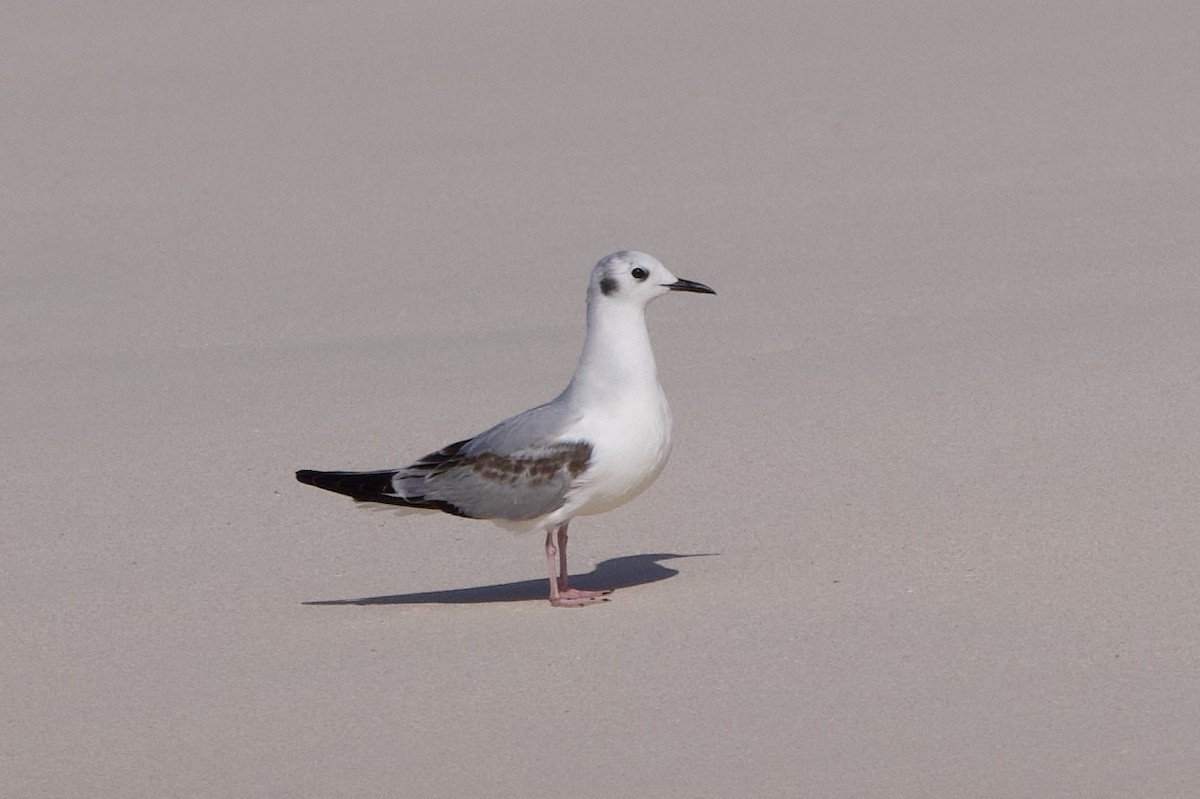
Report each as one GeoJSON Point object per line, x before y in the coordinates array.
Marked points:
{"type": "Point", "coordinates": [616, 359]}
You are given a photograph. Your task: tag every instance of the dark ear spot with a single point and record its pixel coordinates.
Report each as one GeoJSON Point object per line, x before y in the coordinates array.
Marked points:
{"type": "Point", "coordinates": [608, 286]}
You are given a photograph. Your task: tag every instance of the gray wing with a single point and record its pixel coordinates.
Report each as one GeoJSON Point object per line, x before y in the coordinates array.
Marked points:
{"type": "Point", "coordinates": [515, 471]}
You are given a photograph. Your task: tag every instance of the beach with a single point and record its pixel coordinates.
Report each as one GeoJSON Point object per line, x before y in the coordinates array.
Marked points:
{"type": "Point", "coordinates": [929, 528]}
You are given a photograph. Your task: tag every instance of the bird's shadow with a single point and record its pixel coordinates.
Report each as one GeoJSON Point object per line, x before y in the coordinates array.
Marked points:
{"type": "Point", "coordinates": [613, 573]}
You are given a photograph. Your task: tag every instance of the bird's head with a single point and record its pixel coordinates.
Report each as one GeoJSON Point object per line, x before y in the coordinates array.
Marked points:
{"type": "Point", "coordinates": [635, 277]}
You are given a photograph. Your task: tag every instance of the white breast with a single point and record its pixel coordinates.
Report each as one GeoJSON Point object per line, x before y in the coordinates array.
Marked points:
{"type": "Point", "coordinates": [629, 452]}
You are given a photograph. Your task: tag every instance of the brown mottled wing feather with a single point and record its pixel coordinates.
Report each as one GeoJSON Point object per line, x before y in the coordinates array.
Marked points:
{"type": "Point", "coordinates": [488, 485]}
{"type": "Point", "coordinates": [517, 470]}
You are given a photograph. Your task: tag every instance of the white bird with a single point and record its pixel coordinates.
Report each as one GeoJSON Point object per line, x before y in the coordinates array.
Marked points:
{"type": "Point", "coordinates": [596, 446]}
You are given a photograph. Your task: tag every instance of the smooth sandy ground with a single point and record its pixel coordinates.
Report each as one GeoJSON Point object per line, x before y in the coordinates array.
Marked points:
{"type": "Point", "coordinates": [938, 436]}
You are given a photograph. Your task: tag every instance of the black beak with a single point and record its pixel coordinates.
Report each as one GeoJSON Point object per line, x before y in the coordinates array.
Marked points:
{"type": "Point", "coordinates": [690, 285]}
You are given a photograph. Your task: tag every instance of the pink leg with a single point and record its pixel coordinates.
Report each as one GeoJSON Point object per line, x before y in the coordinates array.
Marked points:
{"type": "Point", "coordinates": [564, 577]}
{"type": "Point", "coordinates": [562, 595]}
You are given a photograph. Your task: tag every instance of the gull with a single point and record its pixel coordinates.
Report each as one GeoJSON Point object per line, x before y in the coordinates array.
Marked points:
{"type": "Point", "coordinates": [591, 449]}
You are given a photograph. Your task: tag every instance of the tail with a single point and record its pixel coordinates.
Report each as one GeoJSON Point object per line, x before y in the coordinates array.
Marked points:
{"type": "Point", "coordinates": [372, 487]}
{"type": "Point", "coordinates": [361, 486]}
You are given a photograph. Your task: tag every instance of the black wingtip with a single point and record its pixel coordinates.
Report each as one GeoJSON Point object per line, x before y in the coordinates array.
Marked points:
{"type": "Point", "coordinates": [372, 487]}
{"type": "Point", "coordinates": [364, 486]}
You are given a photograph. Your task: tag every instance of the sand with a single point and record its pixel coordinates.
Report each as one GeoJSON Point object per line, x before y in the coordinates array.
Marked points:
{"type": "Point", "coordinates": [937, 435]}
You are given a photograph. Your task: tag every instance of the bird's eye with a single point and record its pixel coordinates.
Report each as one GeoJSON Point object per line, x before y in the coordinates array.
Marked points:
{"type": "Point", "coordinates": [639, 273]}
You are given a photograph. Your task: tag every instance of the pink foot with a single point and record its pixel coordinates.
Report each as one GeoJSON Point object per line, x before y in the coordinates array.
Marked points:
{"type": "Point", "coordinates": [562, 595]}
{"type": "Point", "coordinates": [575, 598]}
